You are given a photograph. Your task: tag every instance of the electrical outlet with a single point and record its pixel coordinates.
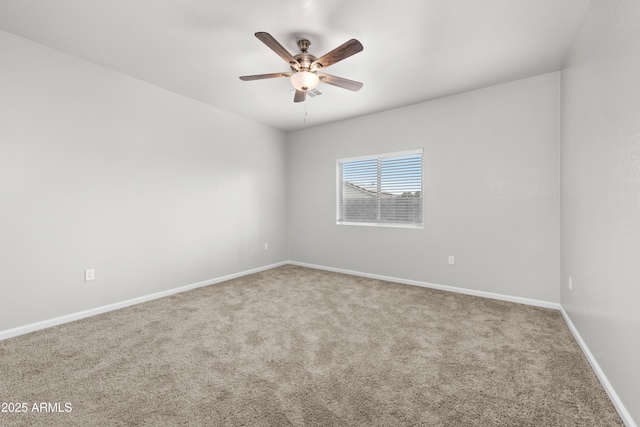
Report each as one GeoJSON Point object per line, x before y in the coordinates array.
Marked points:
{"type": "Point", "coordinates": [89, 275]}
{"type": "Point", "coordinates": [451, 260]}
{"type": "Point", "coordinates": [570, 283]}
{"type": "Point", "coordinates": [266, 246]}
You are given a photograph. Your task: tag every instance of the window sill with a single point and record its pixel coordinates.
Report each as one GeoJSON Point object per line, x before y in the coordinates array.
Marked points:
{"type": "Point", "coordinates": [380, 224]}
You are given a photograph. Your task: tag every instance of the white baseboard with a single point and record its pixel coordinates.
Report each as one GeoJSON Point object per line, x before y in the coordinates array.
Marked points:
{"type": "Point", "coordinates": [21, 330]}
{"type": "Point", "coordinates": [501, 297]}
{"type": "Point", "coordinates": [622, 411]}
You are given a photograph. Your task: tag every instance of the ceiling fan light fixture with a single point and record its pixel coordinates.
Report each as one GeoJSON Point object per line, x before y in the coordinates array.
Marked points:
{"type": "Point", "coordinates": [304, 65]}
{"type": "Point", "coordinates": [304, 80]}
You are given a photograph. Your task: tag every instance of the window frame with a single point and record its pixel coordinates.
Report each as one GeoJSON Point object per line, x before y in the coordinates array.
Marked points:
{"type": "Point", "coordinates": [379, 183]}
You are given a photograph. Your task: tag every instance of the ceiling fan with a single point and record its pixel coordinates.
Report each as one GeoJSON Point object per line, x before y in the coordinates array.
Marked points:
{"type": "Point", "coordinates": [306, 70]}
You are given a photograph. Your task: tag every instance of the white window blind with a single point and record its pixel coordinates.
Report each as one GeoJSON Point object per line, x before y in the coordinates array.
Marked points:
{"type": "Point", "coordinates": [384, 189]}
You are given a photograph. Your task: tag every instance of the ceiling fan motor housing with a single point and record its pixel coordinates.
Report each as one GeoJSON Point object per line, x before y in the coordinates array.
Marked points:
{"type": "Point", "coordinates": [304, 59]}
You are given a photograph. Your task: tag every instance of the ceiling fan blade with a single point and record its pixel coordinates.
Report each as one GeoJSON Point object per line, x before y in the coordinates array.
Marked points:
{"type": "Point", "coordinates": [264, 76]}
{"type": "Point", "coordinates": [344, 51]}
{"type": "Point", "coordinates": [340, 82]}
{"type": "Point", "coordinates": [273, 44]}
{"type": "Point", "coordinates": [300, 96]}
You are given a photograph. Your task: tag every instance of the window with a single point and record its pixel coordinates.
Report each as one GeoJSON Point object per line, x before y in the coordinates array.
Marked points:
{"type": "Point", "coordinates": [384, 190]}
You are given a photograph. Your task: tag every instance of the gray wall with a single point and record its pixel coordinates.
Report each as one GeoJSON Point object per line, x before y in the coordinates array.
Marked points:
{"type": "Point", "coordinates": [152, 190]}
{"type": "Point", "coordinates": [491, 186]}
{"type": "Point", "coordinates": [601, 191]}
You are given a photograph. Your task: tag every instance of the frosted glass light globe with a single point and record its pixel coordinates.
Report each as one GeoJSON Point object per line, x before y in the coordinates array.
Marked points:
{"type": "Point", "coordinates": [304, 80]}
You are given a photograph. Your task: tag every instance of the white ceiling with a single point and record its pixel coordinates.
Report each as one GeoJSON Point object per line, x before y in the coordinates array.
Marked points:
{"type": "Point", "coordinates": [414, 50]}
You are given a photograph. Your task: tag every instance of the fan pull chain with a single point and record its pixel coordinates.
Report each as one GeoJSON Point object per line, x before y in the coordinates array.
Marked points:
{"type": "Point", "coordinates": [305, 112]}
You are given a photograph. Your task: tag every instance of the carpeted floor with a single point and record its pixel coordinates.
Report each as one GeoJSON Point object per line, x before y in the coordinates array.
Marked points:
{"type": "Point", "coordinates": [296, 346]}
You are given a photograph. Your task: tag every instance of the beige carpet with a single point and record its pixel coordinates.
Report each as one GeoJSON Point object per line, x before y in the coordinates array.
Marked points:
{"type": "Point", "coordinates": [296, 346]}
